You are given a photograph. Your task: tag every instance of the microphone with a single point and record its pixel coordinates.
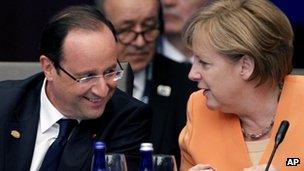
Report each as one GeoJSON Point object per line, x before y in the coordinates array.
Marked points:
{"type": "Point", "coordinates": [278, 140]}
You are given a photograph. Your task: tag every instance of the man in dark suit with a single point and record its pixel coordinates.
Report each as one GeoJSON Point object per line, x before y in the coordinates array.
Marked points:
{"type": "Point", "coordinates": [78, 58]}
{"type": "Point", "coordinates": [158, 81]}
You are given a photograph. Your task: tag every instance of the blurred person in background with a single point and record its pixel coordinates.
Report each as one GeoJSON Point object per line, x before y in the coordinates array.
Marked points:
{"type": "Point", "coordinates": [242, 60]}
{"type": "Point", "coordinates": [158, 81]}
{"type": "Point", "coordinates": [175, 13]}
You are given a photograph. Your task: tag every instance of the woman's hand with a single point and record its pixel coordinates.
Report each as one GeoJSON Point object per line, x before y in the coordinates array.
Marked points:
{"type": "Point", "coordinates": [202, 167]}
{"type": "Point", "coordinates": [260, 168]}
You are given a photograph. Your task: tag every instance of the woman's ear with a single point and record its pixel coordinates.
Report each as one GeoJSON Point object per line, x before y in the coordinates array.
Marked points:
{"type": "Point", "coordinates": [247, 67]}
{"type": "Point", "coordinates": [47, 67]}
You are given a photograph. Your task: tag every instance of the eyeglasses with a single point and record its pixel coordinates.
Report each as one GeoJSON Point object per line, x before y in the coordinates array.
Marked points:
{"type": "Point", "coordinates": [128, 36]}
{"type": "Point", "coordinates": [112, 75]}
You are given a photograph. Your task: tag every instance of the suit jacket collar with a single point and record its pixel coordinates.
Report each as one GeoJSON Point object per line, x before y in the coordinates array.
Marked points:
{"type": "Point", "coordinates": [24, 121]}
{"type": "Point", "coordinates": [163, 107]}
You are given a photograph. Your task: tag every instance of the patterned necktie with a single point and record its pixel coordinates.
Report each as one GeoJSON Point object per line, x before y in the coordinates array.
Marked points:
{"type": "Point", "coordinates": [53, 155]}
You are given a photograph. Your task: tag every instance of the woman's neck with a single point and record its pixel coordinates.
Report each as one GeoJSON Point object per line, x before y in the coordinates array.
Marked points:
{"type": "Point", "coordinates": [260, 111]}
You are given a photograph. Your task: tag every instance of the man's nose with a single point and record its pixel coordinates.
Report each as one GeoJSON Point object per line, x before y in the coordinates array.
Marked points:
{"type": "Point", "coordinates": [139, 41]}
{"type": "Point", "coordinates": [100, 88]}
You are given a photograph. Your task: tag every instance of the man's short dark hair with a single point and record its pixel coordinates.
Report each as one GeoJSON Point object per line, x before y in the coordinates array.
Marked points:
{"type": "Point", "coordinates": [74, 17]}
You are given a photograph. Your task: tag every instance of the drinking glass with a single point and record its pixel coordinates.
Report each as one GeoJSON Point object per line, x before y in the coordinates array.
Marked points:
{"type": "Point", "coordinates": [116, 162]}
{"type": "Point", "coordinates": [162, 162]}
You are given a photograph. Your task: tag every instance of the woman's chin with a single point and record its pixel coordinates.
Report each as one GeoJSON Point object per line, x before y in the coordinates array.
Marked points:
{"type": "Point", "coordinates": [212, 106]}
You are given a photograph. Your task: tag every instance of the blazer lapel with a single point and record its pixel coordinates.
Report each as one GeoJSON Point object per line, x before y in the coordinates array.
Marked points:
{"type": "Point", "coordinates": [159, 105]}
{"type": "Point", "coordinates": [162, 115]}
{"type": "Point", "coordinates": [290, 108]}
{"type": "Point", "coordinates": [20, 136]}
{"type": "Point", "coordinates": [232, 134]}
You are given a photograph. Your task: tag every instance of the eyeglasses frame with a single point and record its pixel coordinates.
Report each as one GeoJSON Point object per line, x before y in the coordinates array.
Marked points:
{"type": "Point", "coordinates": [142, 33]}
{"type": "Point", "coordinates": [79, 80]}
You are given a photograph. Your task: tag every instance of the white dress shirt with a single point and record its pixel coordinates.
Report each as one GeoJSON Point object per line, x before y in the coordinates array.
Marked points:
{"type": "Point", "coordinates": [173, 53]}
{"type": "Point", "coordinates": [139, 84]}
{"type": "Point", "coordinates": [48, 129]}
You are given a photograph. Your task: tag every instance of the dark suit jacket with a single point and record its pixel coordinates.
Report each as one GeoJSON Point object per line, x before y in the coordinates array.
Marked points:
{"type": "Point", "coordinates": [123, 126]}
{"type": "Point", "coordinates": [169, 113]}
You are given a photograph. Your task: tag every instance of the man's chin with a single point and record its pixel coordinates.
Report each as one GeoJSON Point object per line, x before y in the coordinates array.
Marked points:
{"type": "Point", "coordinates": [138, 63]}
{"type": "Point", "coordinates": [138, 68]}
{"type": "Point", "coordinates": [92, 113]}
{"type": "Point", "coordinates": [173, 29]}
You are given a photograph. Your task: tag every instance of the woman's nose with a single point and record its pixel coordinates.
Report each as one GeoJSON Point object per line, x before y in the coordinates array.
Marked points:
{"type": "Point", "coordinates": [194, 74]}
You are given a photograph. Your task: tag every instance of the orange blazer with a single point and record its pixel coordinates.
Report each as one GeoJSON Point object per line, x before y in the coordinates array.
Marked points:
{"type": "Point", "coordinates": [213, 137]}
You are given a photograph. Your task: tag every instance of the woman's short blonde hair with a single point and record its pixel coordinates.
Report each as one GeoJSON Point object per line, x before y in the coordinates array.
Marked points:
{"type": "Point", "coordinates": [255, 28]}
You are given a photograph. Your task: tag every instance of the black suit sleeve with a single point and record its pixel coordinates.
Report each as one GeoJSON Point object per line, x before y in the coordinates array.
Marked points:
{"type": "Point", "coordinates": [133, 129]}
{"type": "Point", "coordinates": [125, 125]}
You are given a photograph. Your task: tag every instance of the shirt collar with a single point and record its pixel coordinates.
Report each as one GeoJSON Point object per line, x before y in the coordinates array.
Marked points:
{"type": "Point", "coordinates": [139, 84]}
{"type": "Point", "coordinates": [172, 52]}
{"type": "Point", "coordinates": [49, 115]}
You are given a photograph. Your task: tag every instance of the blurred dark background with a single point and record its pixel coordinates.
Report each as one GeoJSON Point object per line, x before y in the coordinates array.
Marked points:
{"type": "Point", "coordinates": [293, 10]}
{"type": "Point", "coordinates": [22, 21]}
{"type": "Point", "coordinates": [21, 24]}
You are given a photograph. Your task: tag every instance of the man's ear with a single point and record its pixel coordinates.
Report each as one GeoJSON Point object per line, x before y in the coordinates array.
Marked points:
{"type": "Point", "coordinates": [247, 67]}
{"type": "Point", "coordinates": [47, 67]}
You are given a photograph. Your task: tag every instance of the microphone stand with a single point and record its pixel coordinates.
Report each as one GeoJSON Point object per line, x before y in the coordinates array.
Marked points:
{"type": "Point", "coordinates": [271, 157]}
{"type": "Point", "coordinates": [278, 140]}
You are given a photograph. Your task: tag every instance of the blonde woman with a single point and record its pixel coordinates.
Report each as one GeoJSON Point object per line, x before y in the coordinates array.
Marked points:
{"type": "Point", "coordinates": [242, 57]}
